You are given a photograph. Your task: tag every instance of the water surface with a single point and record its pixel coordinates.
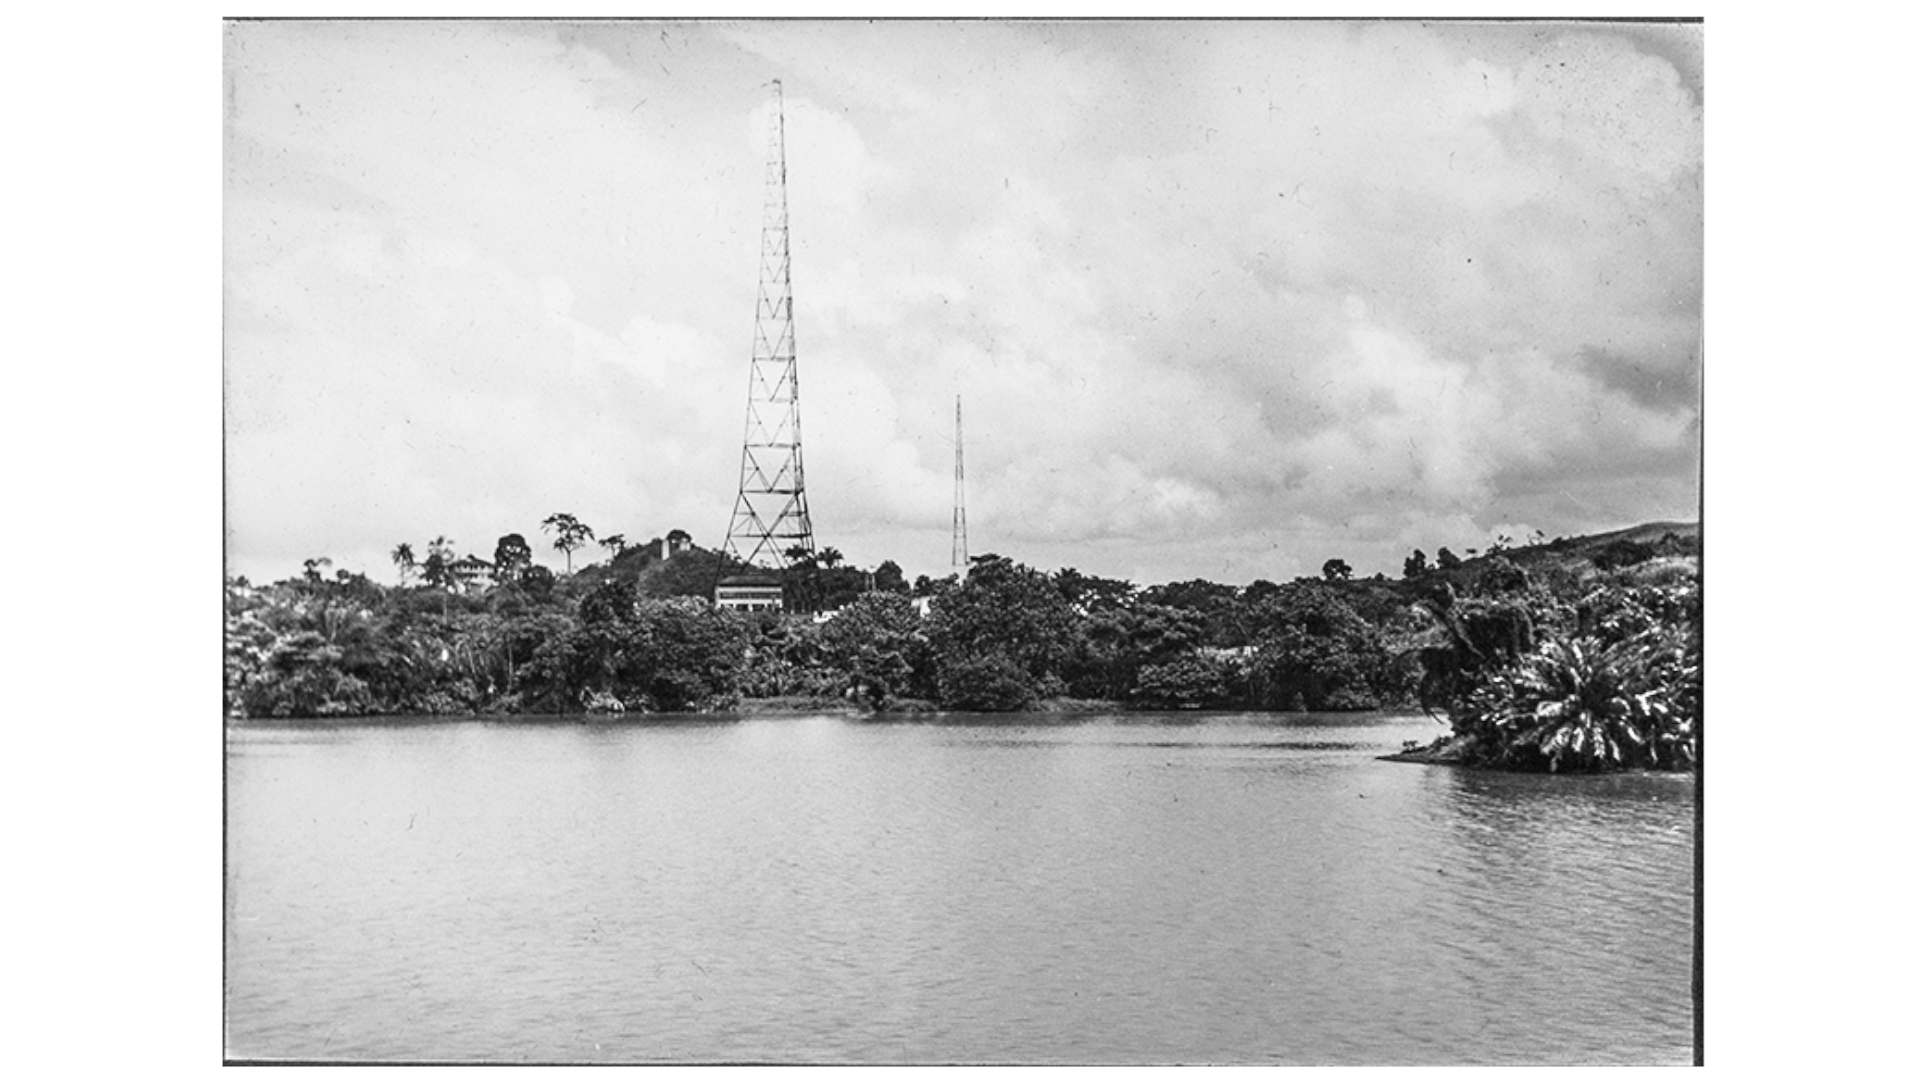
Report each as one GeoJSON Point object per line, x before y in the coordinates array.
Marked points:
{"type": "Point", "coordinates": [1106, 889]}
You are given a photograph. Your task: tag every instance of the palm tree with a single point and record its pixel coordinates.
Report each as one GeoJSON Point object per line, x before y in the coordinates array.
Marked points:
{"type": "Point", "coordinates": [438, 569]}
{"type": "Point", "coordinates": [439, 565]}
{"type": "Point", "coordinates": [403, 558]}
{"type": "Point", "coordinates": [1587, 705]}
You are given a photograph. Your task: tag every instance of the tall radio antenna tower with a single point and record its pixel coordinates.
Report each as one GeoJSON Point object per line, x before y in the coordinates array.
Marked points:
{"type": "Point", "coordinates": [770, 516]}
{"type": "Point", "coordinates": [959, 491]}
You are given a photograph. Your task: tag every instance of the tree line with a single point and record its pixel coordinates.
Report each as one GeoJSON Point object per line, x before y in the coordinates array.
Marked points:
{"type": "Point", "coordinates": [1541, 656]}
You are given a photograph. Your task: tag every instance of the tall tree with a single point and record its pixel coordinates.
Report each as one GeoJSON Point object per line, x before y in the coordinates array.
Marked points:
{"type": "Point", "coordinates": [569, 535]}
{"type": "Point", "coordinates": [403, 560]}
{"type": "Point", "coordinates": [876, 643]}
{"type": "Point", "coordinates": [888, 577]}
{"type": "Point", "coordinates": [801, 579]}
{"type": "Point", "coordinates": [1314, 652]}
{"type": "Point", "coordinates": [438, 569]}
{"type": "Point", "coordinates": [511, 559]}
{"type": "Point", "coordinates": [1088, 593]}
{"type": "Point", "coordinates": [1216, 603]}
{"type": "Point", "coordinates": [1005, 627]}
{"type": "Point", "coordinates": [614, 544]}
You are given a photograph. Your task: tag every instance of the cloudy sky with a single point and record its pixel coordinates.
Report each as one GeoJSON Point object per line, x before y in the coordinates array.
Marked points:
{"type": "Point", "coordinates": [1223, 299]}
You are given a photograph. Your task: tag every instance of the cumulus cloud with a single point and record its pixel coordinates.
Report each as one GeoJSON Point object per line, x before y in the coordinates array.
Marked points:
{"type": "Point", "coordinates": [1223, 299]}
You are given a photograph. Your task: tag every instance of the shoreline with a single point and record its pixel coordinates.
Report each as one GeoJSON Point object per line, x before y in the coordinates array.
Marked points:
{"type": "Point", "coordinates": [835, 706]}
{"type": "Point", "coordinates": [1445, 750]}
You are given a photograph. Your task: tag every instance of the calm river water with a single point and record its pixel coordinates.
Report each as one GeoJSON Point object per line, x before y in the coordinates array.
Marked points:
{"type": "Point", "coordinates": [1105, 889]}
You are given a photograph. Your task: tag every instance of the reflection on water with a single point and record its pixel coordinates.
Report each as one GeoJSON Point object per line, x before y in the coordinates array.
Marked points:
{"type": "Point", "coordinates": [1134, 888]}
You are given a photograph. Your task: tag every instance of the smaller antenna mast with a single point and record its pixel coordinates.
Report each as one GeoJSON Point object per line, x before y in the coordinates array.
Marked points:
{"type": "Point", "coordinates": [959, 492]}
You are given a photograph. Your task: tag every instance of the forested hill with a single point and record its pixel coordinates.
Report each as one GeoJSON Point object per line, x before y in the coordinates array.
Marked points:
{"type": "Point", "coordinates": [1686, 535]}
{"type": "Point", "coordinates": [637, 633]}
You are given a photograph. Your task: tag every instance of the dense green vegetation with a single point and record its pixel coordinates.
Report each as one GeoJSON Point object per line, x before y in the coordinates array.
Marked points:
{"type": "Point", "coordinates": [1570, 655]}
{"type": "Point", "coordinates": [1588, 663]}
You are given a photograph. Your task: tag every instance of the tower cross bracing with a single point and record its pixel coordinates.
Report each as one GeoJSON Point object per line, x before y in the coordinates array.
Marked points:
{"type": "Point", "coordinates": [770, 516]}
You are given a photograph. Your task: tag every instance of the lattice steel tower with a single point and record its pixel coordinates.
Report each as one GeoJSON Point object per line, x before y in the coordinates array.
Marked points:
{"type": "Point", "coordinates": [770, 516]}
{"type": "Point", "coordinates": [959, 491]}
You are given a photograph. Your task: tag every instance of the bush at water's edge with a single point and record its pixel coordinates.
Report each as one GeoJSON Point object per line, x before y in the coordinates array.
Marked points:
{"type": "Point", "coordinates": [1603, 681]}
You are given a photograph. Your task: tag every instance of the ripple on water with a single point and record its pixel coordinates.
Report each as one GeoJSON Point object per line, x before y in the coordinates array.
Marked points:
{"type": "Point", "coordinates": [1105, 890]}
